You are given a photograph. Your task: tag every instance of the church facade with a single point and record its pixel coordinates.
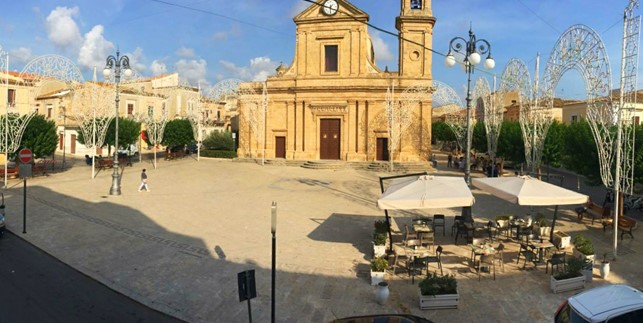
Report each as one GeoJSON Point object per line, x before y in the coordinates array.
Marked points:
{"type": "Point", "coordinates": [330, 103]}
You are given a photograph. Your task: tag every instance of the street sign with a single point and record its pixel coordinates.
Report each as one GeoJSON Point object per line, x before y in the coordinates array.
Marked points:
{"type": "Point", "coordinates": [25, 156]}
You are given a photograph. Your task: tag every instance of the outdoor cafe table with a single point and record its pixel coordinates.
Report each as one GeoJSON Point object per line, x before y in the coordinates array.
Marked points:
{"type": "Point", "coordinates": [482, 249]}
{"type": "Point", "coordinates": [412, 253]}
{"type": "Point", "coordinates": [541, 248]}
{"type": "Point", "coordinates": [421, 229]}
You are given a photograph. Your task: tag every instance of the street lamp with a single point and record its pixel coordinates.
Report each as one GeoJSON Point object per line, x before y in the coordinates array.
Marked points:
{"type": "Point", "coordinates": [63, 111]}
{"type": "Point", "coordinates": [471, 49]}
{"type": "Point", "coordinates": [273, 230]}
{"type": "Point", "coordinates": [118, 64]}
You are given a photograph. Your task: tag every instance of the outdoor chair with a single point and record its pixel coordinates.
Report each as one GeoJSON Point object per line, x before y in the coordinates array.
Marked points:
{"type": "Point", "coordinates": [399, 251]}
{"type": "Point", "coordinates": [457, 219]}
{"type": "Point", "coordinates": [462, 230]}
{"type": "Point", "coordinates": [423, 262]}
{"type": "Point", "coordinates": [475, 242]}
{"type": "Point", "coordinates": [408, 233]}
{"type": "Point", "coordinates": [427, 239]}
{"type": "Point", "coordinates": [493, 230]}
{"type": "Point", "coordinates": [504, 226]}
{"type": "Point", "coordinates": [439, 221]}
{"type": "Point", "coordinates": [487, 261]}
{"type": "Point", "coordinates": [528, 252]}
{"type": "Point", "coordinates": [499, 255]}
{"type": "Point", "coordinates": [557, 259]}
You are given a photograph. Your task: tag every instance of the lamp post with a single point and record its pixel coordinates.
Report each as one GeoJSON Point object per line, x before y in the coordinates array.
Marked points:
{"type": "Point", "coordinates": [273, 230]}
{"type": "Point", "coordinates": [471, 49]}
{"type": "Point", "coordinates": [118, 64]}
{"type": "Point", "coordinates": [63, 110]}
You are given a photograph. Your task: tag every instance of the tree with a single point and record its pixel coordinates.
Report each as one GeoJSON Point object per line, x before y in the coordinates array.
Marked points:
{"type": "Point", "coordinates": [442, 132]}
{"type": "Point", "coordinates": [581, 153]}
{"type": "Point", "coordinates": [219, 141]}
{"type": "Point", "coordinates": [40, 136]}
{"type": "Point", "coordinates": [128, 132]}
{"type": "Point", "coordinates": [510, 144]}
{"type": "Point", "coordinates": [178, 132]}
{"type": "Point", "coordinates": [479, 138]}
{"type": "Point", "coordinates": [554, 146]}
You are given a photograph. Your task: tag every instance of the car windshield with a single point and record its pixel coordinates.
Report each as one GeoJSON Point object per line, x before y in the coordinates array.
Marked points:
{"type": "Point", "coordinates": [568, 315]}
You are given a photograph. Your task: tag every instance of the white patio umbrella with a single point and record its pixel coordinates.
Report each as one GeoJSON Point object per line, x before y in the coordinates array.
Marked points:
{"type": "Point", "coordinates": [422, 191]}
{"type": "Point", "coordinates": [526, 190]}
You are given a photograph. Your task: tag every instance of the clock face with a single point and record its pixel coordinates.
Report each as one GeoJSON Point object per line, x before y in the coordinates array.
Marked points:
{"type": "Point", "coordinates": [330, 7]}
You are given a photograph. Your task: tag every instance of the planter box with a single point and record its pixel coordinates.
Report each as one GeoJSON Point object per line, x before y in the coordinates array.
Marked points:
{"type": "Point", "coordinates": [542, 231]}
{"type": "Point", "coordinates": [562, 239]}
{"type": "Point", "coordinates": [377, 277]}
{"type": "Point", "coordinates": [379, 251]}
{"type": "Point", "coordinates": [581, 255]}
{"type": "Point", "coordinates": [437, 302]}
{"type": "Point", "coordinates": [564, 285]}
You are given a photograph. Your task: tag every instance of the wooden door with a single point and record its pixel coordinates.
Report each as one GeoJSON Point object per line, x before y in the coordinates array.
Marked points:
{"type": "Point", "coordinates": [73, 144]}
{"type": "Point", "coordinates": [329, 139]}
{"type": "Point", "coordinates": [382, 149]}
{"type": "Point", "coordinates": [280, 147]}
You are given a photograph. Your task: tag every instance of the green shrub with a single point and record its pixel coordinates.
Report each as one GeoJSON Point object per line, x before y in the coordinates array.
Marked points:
{"type": "Point", "coordinates": [217, 140]}
{"type": "Point", "coordinates": [379, 238]}
{"type": "Point", "coordinates": [438, 285]}
{"type": "Point", "coordinates": [380, 226]}
{"type": "Point", "coordinates": [379, 264]}
{"type": "Point", "coordinates": [219, 153]}
{"type": "Point", "coordinates": [573, 269]}
{"type": "Point", "coordinates": [583, 245]}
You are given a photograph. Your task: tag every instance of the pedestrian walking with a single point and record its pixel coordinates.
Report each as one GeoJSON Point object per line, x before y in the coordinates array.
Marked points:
{"type": "Point", "coordinates": [450, 160]}
{"type": "Point", "coordinates": [143, 181]}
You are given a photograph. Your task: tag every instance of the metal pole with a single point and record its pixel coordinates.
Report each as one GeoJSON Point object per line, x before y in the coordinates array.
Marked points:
{"type": "Point", "coordinates": [116, 63]}
{"type": "Point", "coordinates": [467, 162]}
{"type": "Point", "coordinates": [24, 206]}
{"type": "Point", "coordinates": [64, 136]}
{"type": "Point", "coordinates": [274, 258]}
{"type": "Point", "coordinates": [6, 129]}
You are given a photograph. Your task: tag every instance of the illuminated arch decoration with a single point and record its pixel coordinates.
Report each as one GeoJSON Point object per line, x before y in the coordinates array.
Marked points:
{"type": "Point", "coordinates": [455, 117]}
{"type": "Point", "coordinates": [581, 48]}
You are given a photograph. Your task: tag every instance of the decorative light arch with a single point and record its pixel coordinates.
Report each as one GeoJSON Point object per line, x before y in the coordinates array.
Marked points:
{"type": "Point", "coordinates": [455, 114]}
{"type": "Point", "coordinates": [582, 49]}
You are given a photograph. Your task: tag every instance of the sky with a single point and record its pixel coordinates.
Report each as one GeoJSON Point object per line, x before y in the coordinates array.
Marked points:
{"type": "Point", "coordinates": [207, 41]}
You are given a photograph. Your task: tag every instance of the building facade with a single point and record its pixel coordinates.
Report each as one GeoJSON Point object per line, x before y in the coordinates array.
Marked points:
{"type": "Point", "coordinates": [330, 102]}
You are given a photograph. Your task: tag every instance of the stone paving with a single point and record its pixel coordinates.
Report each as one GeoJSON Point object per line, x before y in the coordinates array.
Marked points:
{"type": "Point", "coordinates": [179, 247]}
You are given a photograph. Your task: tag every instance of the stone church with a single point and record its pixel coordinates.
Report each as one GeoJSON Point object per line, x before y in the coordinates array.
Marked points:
{"type": "Point", "coordinates": [330, 102]}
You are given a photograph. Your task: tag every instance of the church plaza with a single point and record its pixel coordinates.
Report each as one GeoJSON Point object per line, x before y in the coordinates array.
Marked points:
{"type": "Point", "coordinates": [179, 247]}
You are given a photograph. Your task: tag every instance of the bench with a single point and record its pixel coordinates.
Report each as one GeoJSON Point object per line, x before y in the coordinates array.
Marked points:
{"type": "Point", "coordinates": [593, 209]}
{"type": "Point", "coordinates": [175, 155]}
{"type": "Point", "coordinates": [12, 172]}
{"type": "Point", "coordinates": [625, 224]}
{"type": "Point", "coordinates": [42, 166]}
{"type": "Point", "coordinates": [104, 163]}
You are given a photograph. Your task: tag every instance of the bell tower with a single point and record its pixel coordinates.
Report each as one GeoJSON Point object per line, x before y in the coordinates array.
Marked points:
{"type": "Point", "coordinates": [415, 27]}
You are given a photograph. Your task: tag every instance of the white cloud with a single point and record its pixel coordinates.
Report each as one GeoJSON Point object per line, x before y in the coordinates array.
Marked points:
{"type": "Point", "coordinates": [298, 8]}
{"type": "Point", "coordinates": [62, 30]}
{"type": "Point", "coordinates": [185, 52]}
{"type": "Point", "coordinates": [192, 70]}
{"type": "Point", "coordinates": [20, 55]}
{"type": "Point", "coordinates": [95, 49]}
{"type": "Point", "coordinates": [158, 67]}
{"type": "Point", "coordinates": [220, 35]}
{"type": "Point", "coordinates": [260, 68]}
{"type": "Point", "coordinates": [136, 60]}
{"type": "Point", "coordinates": [382, 51]}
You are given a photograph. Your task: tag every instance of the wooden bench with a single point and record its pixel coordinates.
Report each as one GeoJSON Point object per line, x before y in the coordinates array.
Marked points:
{"type": "Point", "coordinates": [593, 209]}
{"type": "Point", "coordinates": [625, 224]}
{"type": "Point", "coordinates": [104, 163]}
{"type": "Point", "coordinates": [42, 166]}
{"type": "Point", "coordinates": [175, 155]}
{"type": "Point", "coordinates": [12, 172]}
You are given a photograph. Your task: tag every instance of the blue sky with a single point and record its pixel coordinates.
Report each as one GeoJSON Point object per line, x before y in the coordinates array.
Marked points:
{"type": "Point", "coordinates": [247, 39]}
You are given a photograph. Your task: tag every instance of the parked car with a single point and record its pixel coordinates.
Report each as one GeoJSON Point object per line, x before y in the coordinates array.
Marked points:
{"type": "Point", "coordinates": [131, 150]}
{"type": "Point", "coordinates": [609, 303]}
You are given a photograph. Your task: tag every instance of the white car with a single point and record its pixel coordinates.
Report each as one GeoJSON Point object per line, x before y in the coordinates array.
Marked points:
{"type": "Point", "coordinates": [132, 150]}
{"type": "Point", "coordinates": [609, 303]}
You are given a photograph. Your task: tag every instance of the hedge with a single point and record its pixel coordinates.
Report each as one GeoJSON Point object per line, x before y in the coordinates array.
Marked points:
{"type": "Point", "coordinates": [219, 153]}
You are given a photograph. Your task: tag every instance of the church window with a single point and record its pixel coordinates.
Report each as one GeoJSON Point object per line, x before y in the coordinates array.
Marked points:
{"type": "Point", "coordinates": [331, 58]}
{"type": "Point", "coordinates": [416, 4]}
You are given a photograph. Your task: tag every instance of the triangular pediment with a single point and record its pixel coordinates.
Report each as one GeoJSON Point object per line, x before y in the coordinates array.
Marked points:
{"type": "Point", "coordinates": [346, 10]}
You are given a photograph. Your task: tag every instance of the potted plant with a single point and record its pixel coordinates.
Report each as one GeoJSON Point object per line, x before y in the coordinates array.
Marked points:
{"type": "Point", "coordinates": [605, 266]}
{"type": "Point", "coordinates": [378, 269]}
{"type": "Point", "coordinates": [438, 292]}
{"type": "Point", "coordinates": [570, 279]}
{"type": "Point", "coordinates": [379, 238]}
{"type": "Point", "coordinates": [583, 247]}
{"type": "Point", "coordinates": [542, 227]}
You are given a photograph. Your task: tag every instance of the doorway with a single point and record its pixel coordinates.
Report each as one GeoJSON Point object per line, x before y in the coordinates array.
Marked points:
{"type": "Point", "coordinates": [280, 147]}
{"type": "Point", "coordinates": [329, 134]}
{"type": "Point", "coordinates": [382, 149]}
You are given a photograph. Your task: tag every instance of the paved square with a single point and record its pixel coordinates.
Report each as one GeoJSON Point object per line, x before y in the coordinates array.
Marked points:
{"type": "Point", "coordinates": [179, 247]}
